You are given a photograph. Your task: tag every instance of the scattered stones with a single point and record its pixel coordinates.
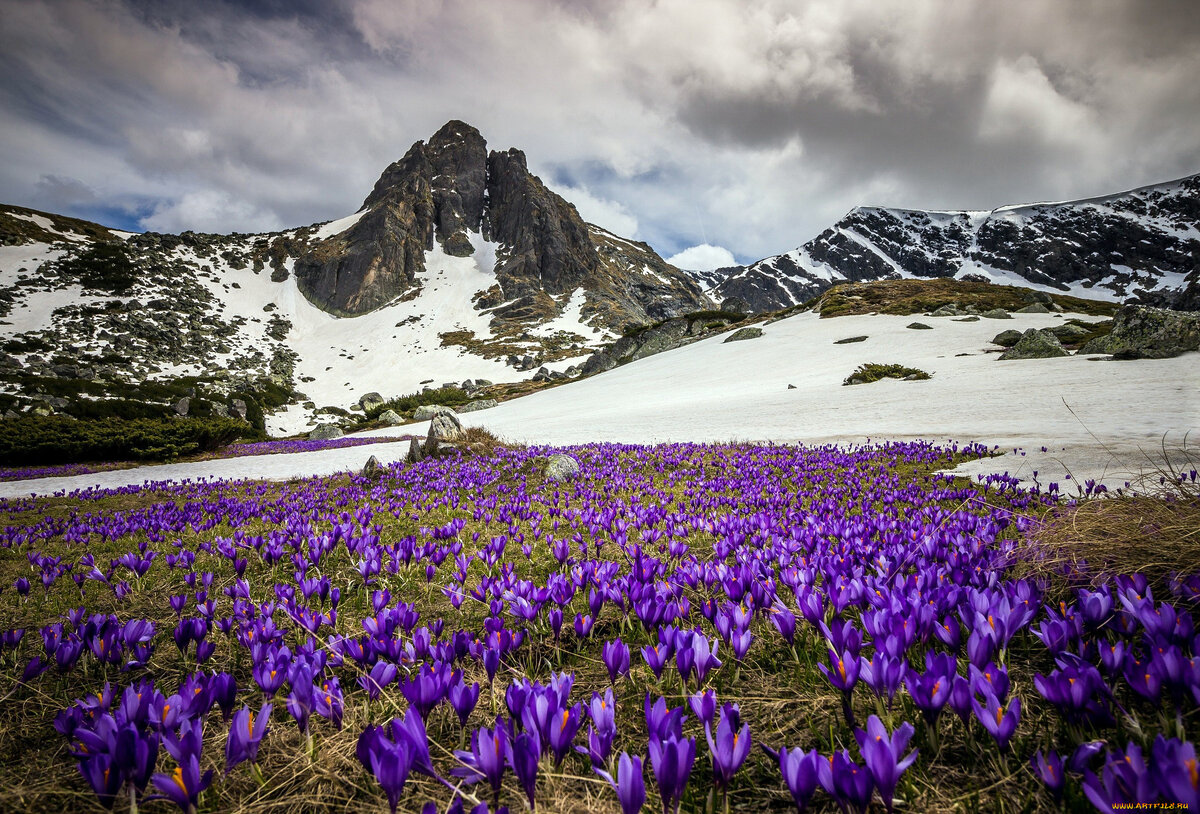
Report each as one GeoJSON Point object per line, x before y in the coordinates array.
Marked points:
{"type": "Point", "coordinates": [919, 326]}
{"type": "Point", "coordinates": [791, 387]}
{"type": "Point", "coordinates": [561, 468]}
{"type": "Point", "coordinates": [751, 332]}
{"type": "Point", "coordinates": [389, 418]}
{"type": "Point", "coordinates": [850, 339]}
{"type": "Point", "coordinates": [478, 404]}
{"type": "Point", "coordinates": [1007, 338]}
{"type": "Point", "coordinates": [1141, 332]}
{"type": "Point", "coordinates": [946, 311]}
{"type": "Point", "coordinates": [971, 318]}
{"type": "Point", "coordinates": [325, 432]}
{"type": "Point", "coordinates": [1035, 344]}
{"type": "Point", "coordinates": [996, 313]}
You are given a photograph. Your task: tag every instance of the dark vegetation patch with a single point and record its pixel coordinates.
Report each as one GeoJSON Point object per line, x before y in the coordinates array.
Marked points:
{"type": "Point", "coordinates": [58, 439]}
{"type": "Point", "coordinates": [873, 372]}
{"type": "Point", "coordinates": [904, 297]}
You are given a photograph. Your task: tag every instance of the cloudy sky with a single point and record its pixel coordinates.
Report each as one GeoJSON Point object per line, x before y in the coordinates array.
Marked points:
{"type": "Point", "coordinates": [717, 129]}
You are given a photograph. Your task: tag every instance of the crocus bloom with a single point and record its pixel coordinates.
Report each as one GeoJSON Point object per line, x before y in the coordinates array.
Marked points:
{"type": "Point", "coordinates": [882, 752]}
{"type": "Point", "coordinates": [729, 748]}
{"type": "Point", "coordinates": [526, 750]}
{"type": "Point", "coordinates": [849, 783]}
{"type": "Point", "coordinates": [616, 658]}
{"type": "Point", "coordinates": [245, 735]}
{"type": "Point", "coordinates": [703, 705]}
{"type": "Point", "coordinates": [1049, 767]}
{"type": "Point", "coordinates": [999, 719]}
{"type": "Point", "coordinates": [672, 760]}
{"type": "Point", "coordinates": [630, 784]}
{"type": "Point", "coordinates": [183, 786]}
{"type": "Point", "coordinates": [800, 770]}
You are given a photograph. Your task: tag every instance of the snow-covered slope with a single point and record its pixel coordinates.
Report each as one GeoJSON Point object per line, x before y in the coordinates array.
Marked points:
{"type": "Point", "coordinates": [1142, 244]}
{"type": "Point", "coordinates": [1097, 419]}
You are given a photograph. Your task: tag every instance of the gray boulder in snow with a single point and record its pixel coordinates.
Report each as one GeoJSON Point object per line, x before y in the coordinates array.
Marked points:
{"type": "Point", "coordinates": [1035, 344]}
{"type": "Point", "coordinates": [1141, 332]}
{"type": "Point", "coordinates": [1007, 338]}
{"type": "Point", "coordinates": [1035, 308]}
{"type": "Point", "coordinates": [389, 418]}
{"type": "Point", "coordinates": [751, 332]}
{"type": "Point", "coordinates": [561, 468]}
{"type": "Point", "coordinates": [478, 404]}
{"type": "Point", "coordinates": [996, 313]}
{"type": "Point", "coordinates": [427, 411]}
{"type": "Point", "coordinates": [919, 326]}
{"type": "Point", "coordinates": [850, 340]}
{"type": "Point", "coordinates": [370, 401]}
{"type": "Point", "coordinates": [325, 432]}
{"type": "Point", "coordinates": [1070, 332]}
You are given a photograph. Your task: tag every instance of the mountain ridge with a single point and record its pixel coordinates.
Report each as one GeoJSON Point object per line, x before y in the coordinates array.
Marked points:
{"type": "Point", "coordinates": [1066, 246]}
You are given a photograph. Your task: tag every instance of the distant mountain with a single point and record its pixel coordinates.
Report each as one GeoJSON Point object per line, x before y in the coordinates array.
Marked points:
{"type": "Point", "coordinates": [1142, 245]}
{"type": "Point", "coordinates": [460, 264]}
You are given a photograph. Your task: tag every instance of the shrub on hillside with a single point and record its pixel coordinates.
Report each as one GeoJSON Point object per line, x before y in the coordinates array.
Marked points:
{"type": "Point", "coordinates": [873, 372]}
{"type": "Point", "coordinates": [405, 405]}
{"type": "Point", "coordinates": [58, 439]}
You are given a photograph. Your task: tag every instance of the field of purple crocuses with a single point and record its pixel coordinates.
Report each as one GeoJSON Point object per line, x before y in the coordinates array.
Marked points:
{"type": "Point", "coordinates": [681, 627]}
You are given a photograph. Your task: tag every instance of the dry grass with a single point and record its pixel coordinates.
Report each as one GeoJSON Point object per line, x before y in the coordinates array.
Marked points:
{"type": "Point", "coordinates": [1157, 536]}
{"type": "Point", "coordinates": [918, 296]}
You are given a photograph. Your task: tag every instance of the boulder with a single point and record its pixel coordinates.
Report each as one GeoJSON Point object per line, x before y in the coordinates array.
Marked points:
{"type": "Point", "coordinates": [919, 326]}
{"type": "Point", "coordinates": [325, 432]}
{"type": "Point", "coordinates": [372, 468]}
{"type": "Point", "coordinates": [996, 313]}
{"type": "Point", "coordinates": [1007, 338]}
{"type": "Point", "coordinates": [415, 454]}
{"type": "Point", "coordinates": [751, 332]}
{"type": "Point", "coordinates": [971, 318]}
{"type": "Point", "coordinates": [850, 340]}
{"type": "Point", "coordinates": [1141, 332]}
{"type": "Point", "coordinates": [478, 404]}
{"type": "Point", "coordinates": [389, 418]}
{"type": "Point", "coordinates": [1035, 308]}
{"type": "Point", "coordinates": [561, 468]}
{"type": "Point", "coordinates": [428, 411]}
{"type": "Point", "coordinates": [1070, 332]}
{"type": "Point", "coordinates": [238, 406]}
{"type": "Point", "coordinates": [598, 362]}
{"type": "Point", "coordinates": [443, 428]}
{"type": "Point", "coordinates": [182, 406]}
{"type": "Point", "coordinates": [1035, 344]}
{"type": "Point", "coordinates": [370, 401]}
{"type": "Point", "coordinates": [946, 311]}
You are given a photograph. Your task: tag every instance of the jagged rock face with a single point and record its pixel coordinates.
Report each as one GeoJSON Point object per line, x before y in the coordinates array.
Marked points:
{"type": "Point", "coordinates": [378, 258]}
{"type": "Point", "coordinates": [451, 187]}
{"type": "Point", "coordinates": [1139, 245]}
{"type": "Point", "coordinates": [549, 250]}
{"type": "Point", "coordinates": [1140, 332]}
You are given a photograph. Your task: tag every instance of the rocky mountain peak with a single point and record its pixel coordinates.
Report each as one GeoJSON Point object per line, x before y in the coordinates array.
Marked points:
{"type": "Point", "coordinates": [450, 188]}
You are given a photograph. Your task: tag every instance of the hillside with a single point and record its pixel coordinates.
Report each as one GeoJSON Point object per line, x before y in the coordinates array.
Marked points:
{"type": "Point", "coordinates": [1141, 245]}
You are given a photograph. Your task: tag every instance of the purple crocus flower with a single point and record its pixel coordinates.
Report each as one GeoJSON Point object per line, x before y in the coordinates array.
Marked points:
{"type": "Point", "coordinates": [800, 772]}
{"type": "Point", "coordinates": [245, 735]}
{"type": "Point", "coordinates": [463, 699]}
{"type": "Point", "coordinates": [487, 759]}
{"type": "Point", "coordinates": [999, 719]}
{"type": "Point", "coordinates": [98, 772]}
{"type": "Point", "coordinates": [563, 728]}
{"type": "Point", "coordinates": [729, 748]}
{"type": "Point", "coordinates": [661, 721]}
{"type": "Point", "coordinates": [849, 783]}
{"type": "Point", "coordinates": [630, 783]}
{"type": "Point", "coordinates": [389, 761]}
{"type": "Point", "coordinates": [1176, 771]}
{"type": "Point", "coordinates": [672, 759]}
{"type": "Point", "coordinates": [703, 705]}
{"type": "Point", "coordinates": [616, 658]}
{"type": "Point", "coordinates": [882, 752]}
{"type": "Point", "coordinates": [184, 785]}
{"type": "Point", "coordinates": [1049, 767]}
{"type": "Point", "coordinates": [526, 750]}
{"type": "Point", "coordinates": [655, 657]}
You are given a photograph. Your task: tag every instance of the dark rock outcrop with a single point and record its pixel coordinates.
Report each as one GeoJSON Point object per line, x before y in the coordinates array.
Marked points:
{"type": "Point", "coordinates": [1140, 332]}
{"type": "Point", "coordinates": [1129, 245]}
{"type": "Point", "coordinates": [1035, 344]}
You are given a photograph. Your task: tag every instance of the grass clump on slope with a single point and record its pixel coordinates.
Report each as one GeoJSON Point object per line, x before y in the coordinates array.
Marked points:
{"type": "Point", "coordinates": [873, 372]}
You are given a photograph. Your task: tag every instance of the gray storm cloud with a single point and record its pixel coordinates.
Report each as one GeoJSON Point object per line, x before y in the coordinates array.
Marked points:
{"type": "Point", "coordinates": [747, 126]}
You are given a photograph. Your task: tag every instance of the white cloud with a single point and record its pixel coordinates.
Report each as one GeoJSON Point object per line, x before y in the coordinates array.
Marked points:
{"type": "Point", "coordinates": [704, 257]}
